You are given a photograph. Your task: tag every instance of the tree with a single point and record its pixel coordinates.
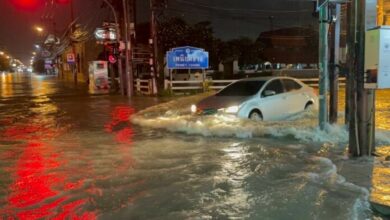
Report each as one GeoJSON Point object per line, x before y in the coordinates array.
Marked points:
{"type": "Point", "coordinates": [175, 32]}
{"type": "Point", "coordinates": [245, 50]}
{"type": "Point", "coordinates": [39, 66]}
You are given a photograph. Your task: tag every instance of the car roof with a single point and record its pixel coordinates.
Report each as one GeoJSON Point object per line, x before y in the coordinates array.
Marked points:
{"type": "Point", "coordinates": [266, 78]}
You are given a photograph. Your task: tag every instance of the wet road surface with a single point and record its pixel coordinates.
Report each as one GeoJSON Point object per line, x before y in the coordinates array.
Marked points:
{"type": "Point", "coordinates": [66, 154]}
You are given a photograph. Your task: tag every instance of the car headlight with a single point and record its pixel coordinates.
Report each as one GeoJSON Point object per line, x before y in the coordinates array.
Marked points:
{"type": "Point", "coordinates": [193, 108]}
{"type": "Point", "coordinates": [232, 109]}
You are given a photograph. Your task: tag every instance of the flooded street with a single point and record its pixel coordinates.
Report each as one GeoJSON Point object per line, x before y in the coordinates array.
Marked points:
{"type": "Point", "coordinates": [66, 154]}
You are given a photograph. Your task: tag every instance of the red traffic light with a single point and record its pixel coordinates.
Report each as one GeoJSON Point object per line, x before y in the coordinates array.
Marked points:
{"type": "Point", "coordinates": [63, 1]}
{"type": "Point", "coordinates": [112, 59]}
{"type": "Point", "coordinates": [28, 4]}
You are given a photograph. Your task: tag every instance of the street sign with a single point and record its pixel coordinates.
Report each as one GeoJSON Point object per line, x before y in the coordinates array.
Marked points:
{"type": "Point", "coordinates": [322, 3]}
{"type": "Point", "coordinates": [105, 34]}
{"type": "Point", "coordinates": [187, 58]}
{"type": "Point", "coordinates": [70, 58]}
{"type": "Point", "coordinates": [45, 53]}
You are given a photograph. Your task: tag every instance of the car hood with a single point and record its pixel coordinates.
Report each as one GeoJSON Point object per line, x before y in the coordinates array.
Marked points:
{"type": "Point", "coordinates": [218, 102]}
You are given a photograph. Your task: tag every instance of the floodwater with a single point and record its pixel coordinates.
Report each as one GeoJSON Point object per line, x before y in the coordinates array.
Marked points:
{"type": "Point", "coordinates": [66, 154]}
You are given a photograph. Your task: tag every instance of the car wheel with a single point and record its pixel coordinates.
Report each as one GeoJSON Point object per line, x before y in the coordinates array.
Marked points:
{"type": "Point", "coordinates": [309, 106]}
{"type": "Point", "coordinates": [255, 115]}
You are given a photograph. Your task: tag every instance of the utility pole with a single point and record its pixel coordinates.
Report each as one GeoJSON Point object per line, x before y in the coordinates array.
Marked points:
{"type": "Point", "coordinates": [362, 101]}
{"type": "Point", "coordinates": [128, 48]}
{"type": "Point", "coordinates": [324, 63]}
{"type": "Point", "coordinates": [335, 61]}
{"type": "Point", "coordinates": [154, 62]}
{"type": "Point", "coordinates": [350, 85]}
{"type": "Point", "coordinates": [74, 66]}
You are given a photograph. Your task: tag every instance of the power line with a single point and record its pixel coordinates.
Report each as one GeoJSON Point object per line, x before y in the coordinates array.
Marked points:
{"type": "Point", "coordinates": [253, 19]}
{"type": "Point", "coordinates": [241, 9]}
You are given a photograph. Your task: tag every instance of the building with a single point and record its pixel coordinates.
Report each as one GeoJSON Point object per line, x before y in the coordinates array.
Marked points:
{"type": "Point", "coordinates": [383, 12]}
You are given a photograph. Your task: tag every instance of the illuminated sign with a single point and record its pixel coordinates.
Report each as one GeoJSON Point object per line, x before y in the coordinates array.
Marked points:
{"type": "Point", "coordinates": [70, 58]}
{"type": "Point", "coordinates": [106, 34]}
{"type": "Point", "coordinates": [187, 58]}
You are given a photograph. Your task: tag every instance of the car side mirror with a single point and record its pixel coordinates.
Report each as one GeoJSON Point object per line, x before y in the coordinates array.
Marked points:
{"type": "Point", "coordinates": [269, 93]}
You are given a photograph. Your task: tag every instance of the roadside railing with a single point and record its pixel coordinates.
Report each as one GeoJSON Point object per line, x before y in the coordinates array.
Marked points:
{"type": "Point", "coordinates": [313, 82]}
{"type": "Point", "coordinates": [145, 86]}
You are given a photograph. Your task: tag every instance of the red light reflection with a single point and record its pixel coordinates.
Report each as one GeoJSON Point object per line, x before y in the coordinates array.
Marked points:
{"type": "Point", "coordinates": [39, 190]}
{"type": "Point", "coordinates": [120, 124]}
{"type": "Point", "coordinates": [36, 191]}
{"type": "Point", "coordinates": [121, 128]}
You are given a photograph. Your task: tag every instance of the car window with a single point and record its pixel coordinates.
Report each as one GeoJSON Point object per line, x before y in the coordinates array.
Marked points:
{"type": "Point", "coordinates": [275, 85]}
{"type": "Point", "coordinates": [291, 85]}
{"type": "Point", "coordinates": [242, 88]}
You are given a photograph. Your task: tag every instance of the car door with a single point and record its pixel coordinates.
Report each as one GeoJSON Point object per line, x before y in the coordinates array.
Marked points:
{"type": "Point", "coordinates": [274, 106]}
{"type": "Point", "coordinates": [294, 96]}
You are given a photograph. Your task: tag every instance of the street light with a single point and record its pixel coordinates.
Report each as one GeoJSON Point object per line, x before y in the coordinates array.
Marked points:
{"type": "Point", "coordinates": [1, 53]}
{"type": "Point", "coordinates": [34, 53]}
{"type": "Point", "coordinates": [39, 29]}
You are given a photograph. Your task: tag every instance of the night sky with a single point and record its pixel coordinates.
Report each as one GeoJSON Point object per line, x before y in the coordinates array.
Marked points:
{"type": "Point", "coordinates": [230, 18]}
{"type": "Point", "coordinates": [17, 23]}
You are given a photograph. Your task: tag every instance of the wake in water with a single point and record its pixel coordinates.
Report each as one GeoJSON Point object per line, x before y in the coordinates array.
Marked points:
{"type": "Point", "coordinates": [175, 116]}
{"type": "Point", "coordinates": [318, 171]}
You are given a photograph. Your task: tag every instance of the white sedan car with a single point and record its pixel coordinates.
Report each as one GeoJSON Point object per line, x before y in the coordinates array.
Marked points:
{"type": "Point", "coordinates": [262, 98]}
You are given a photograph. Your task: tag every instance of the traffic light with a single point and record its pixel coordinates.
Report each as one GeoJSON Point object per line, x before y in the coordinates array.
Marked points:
{"type": "Point", "coordinates": [28, 4]}
{"type": "Point", "coordinates": [63, 1]}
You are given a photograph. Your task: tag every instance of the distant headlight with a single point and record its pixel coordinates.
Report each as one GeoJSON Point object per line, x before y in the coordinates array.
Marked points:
{"type": "Point", "coordinates": [193, 108]}
{"type": "Point", "coordinates": [232, 109]}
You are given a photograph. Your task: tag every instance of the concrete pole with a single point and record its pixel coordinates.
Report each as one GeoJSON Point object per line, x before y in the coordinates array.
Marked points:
{"type": "Point", "coordinates": [324, 62]}
{"type": "Point", "coordinates": [351, 116]}
{"type": "Point", "coordinates": [128, 48]}
{"type": "Point", "coordinates": [334, 76]}
{"type": "Point", "coordinates": [155, 66]}
{"type": "Point", "coordinates": [362, 110]}
{"type": "Point", "coordinates": [74, 66]}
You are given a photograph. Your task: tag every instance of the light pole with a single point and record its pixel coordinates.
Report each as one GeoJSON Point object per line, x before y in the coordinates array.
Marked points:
{"type": "Point", "coordinates": [118, 41]}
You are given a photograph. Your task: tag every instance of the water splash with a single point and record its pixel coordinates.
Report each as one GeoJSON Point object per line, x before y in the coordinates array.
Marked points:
{"type": "Point", "coordinates": [175, 116]}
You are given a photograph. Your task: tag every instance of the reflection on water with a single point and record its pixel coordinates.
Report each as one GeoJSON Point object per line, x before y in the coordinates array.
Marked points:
{"type": "Point", "coordinates": [382, 109]}
{"type": "Point", "coordinates": [65, 154]}
{"type": "Point", "coordinates": [381, 178]}
{"type": "Point", "coordinates": [37, 182]}
{"type": "Point", "coordinates": [45, 170]}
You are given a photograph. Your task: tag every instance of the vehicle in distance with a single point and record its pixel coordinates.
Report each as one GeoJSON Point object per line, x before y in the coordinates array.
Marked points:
{"type": "Point", "coordinates": [261, 98]}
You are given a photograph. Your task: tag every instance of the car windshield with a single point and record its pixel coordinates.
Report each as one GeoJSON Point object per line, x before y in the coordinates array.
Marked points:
{"type": "Point", "coordinates": [242, 88]}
